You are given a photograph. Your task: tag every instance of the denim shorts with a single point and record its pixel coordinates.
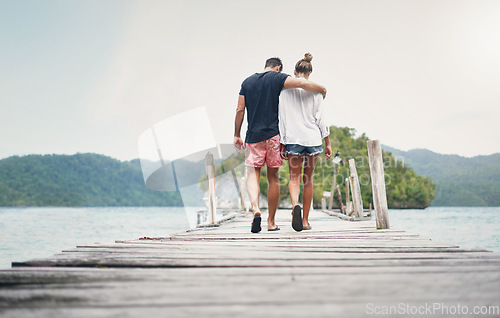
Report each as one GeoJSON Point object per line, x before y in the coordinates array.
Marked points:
{"type": "Point", "coordinates": [296, 149]}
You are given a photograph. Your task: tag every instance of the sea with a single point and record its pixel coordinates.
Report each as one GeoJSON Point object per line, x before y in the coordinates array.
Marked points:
{"type": "Point", "coordinates": [30, 233]}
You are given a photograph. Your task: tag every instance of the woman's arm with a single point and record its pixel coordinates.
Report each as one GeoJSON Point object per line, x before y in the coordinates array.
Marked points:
{"type": "Point", "coordinates": [282, 125]}
{"type": "Point", "coordinates": [318, 116]}
{"type": "Point", "coordinates": [323, 127]}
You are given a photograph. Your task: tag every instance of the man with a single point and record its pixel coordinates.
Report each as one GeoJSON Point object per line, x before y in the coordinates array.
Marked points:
{"type": "Point", "coordinates": [259, 94]}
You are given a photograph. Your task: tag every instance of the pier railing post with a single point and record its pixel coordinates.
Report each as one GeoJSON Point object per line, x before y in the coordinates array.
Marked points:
{"type": "Point", "coordinates": [357, 200]}
{"type": "Point", "coordinates": [332, 190]}
{"type": "Point", "coordinates": [210, 169]}
{"type": "Point", "coordinates": [339, 199]}
{"type": "Point", "coordinates": [378, 184]}
{"type": "Point", "coordinates": [348, 203]}
{"type": "Point", "coordinates": [238, 188]}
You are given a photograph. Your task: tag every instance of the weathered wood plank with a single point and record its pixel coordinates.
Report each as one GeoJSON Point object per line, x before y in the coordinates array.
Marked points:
{"type": "Point", "coordinates": [269, 255]}
{"type": "Point", "coordinates": [295, 249]}
{"type": "Point", "coordinates": [179, 289]}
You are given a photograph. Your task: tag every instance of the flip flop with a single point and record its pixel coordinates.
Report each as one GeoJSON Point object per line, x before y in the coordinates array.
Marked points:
{"type": "Point", "coordinates": [275, 229]}
{"type": "Point", "coordinates": [256, 224]}
{"type": "Point", "coordinates": [297, 218]}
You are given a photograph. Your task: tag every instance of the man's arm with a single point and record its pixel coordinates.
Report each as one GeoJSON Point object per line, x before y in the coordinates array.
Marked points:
{"type": "Point", "coordinates": [238, 121]}
{"type": "Point", "coordinates": [304, 84]}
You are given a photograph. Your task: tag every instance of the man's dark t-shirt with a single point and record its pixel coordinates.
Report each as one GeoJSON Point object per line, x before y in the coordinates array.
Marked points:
{"type": "Point", "coordinates": [262, 91]}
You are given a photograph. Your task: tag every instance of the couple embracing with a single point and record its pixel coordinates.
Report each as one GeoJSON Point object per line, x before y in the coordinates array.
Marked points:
{"type": "Point", "coordinates": [284, 122]}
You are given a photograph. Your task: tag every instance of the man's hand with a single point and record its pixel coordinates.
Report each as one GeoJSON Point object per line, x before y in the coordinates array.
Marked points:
{"type": "Point", "coordinates": [328, 151]}
{"type": "Point", "coordinates": [283, 153]}
{"type": "Point", "coordinates": [238, 144]}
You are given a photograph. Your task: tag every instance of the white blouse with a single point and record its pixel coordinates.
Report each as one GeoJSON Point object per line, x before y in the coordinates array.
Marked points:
{"type": "Point", "coordinates": [301, 117]}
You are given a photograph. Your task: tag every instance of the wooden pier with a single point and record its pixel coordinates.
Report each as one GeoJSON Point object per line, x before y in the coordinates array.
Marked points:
{"type": "Point", "coordinates": [337, 269]}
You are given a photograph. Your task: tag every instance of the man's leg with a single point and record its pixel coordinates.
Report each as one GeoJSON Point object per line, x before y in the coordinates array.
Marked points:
{"type": "Point", "coordinates": [253, 188]}
{"type": "Point", "coordinates": [254, 193]}
{"type": "Point", "coordinates": [273, 162]}
{"type": "Point", "coordinates": [273, 195]}
{"type": "Point", "coordinates": [309, 164]}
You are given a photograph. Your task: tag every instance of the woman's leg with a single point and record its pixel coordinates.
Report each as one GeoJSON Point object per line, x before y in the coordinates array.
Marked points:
{"type": "Point", "coordinates": [309, 165]}
{"type": "Point", "coordinates": [273, 195]}
{"type": "Point", "coordinates": [295, 170]}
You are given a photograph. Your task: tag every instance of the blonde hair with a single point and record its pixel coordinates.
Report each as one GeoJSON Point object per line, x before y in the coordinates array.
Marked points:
{"type": "Point", "coordinates": [304, 65]}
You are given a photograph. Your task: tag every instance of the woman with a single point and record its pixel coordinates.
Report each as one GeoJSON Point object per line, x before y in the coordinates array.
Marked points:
{"type": "Point", "coordinates": [302, 130]}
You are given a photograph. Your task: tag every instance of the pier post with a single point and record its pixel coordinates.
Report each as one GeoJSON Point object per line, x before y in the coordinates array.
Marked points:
{"type": "Point", "coordinates": [339, 199]}
{"type": "Point", "coordinates": [348, 204]}
{"type": "Point", "coordinates": [332, 190]}
{"type": "Point", "coordinates": [210, 169]}
{"type": "Point", "coordinates": [357, 200]}
{"type": "Point", "coordinates": [237, 184]}
{"type": "Point", "coordinates": [378, 184]}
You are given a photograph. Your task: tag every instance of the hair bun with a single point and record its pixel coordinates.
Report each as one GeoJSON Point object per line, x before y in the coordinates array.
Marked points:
{"type": "Point", "coordinates": [308, 57]}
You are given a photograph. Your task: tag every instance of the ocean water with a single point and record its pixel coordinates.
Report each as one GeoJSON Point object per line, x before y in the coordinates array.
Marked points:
{"type": "Point", "coordinates": [477, 227]}
{"type": "Point", "coordinates": [27, 233]}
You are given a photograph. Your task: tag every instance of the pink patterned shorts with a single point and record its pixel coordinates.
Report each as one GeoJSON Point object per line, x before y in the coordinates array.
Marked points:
{"type": "Point", "coordinates": [267, 151]}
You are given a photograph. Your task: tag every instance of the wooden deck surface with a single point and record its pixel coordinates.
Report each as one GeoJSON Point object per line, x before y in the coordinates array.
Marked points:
{"type": "Point", "coordinates": [338, 269]}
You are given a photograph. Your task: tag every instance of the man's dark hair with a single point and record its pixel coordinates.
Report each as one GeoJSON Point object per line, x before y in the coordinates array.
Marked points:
{"type": "Point", "coordinates": [273, 62]}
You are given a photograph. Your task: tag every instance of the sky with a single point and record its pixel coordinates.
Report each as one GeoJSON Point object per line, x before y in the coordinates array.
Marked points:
{"type": "Point", "coordinates": [93, 75]}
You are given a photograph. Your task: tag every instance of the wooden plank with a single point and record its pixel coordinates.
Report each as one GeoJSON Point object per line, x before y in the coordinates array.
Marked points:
{"type": "Point", "coordinates": [339, 215]}
{"type": "Point", "coordinates": [172, 290]}
{"type": "Point", "coordinates": [360, 260]}
{"type": "Point", "coordinates": [255, 253]}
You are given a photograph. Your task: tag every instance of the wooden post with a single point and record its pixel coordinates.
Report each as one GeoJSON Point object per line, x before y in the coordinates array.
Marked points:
{"type": "Point", "coordinates": [244, 188]}
{"type": "Point", "coordinates": [334, 183]}
{"type": "Point", "coordinates": [357, 200]}
{"type": "Point", "coordinates": [212, 206]}
{"type": "Point", "coordinates": [351, 208]}
{"type": "Point", "coordinates": [242, 198]}
{"type": "Point", "coordinates": [323, 203]}
{"type": "Point", "coordinates": [378, 184]}
{"type": "Point", "coordinates": [347, 198]}
{"type": "Point", "coordinates": [339, 199]}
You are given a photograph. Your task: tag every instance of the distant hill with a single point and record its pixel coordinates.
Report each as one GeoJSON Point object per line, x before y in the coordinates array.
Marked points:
{"type": "Point", "coordinates": [96, 180]}
{"type": "Point", "coordinates": [460, 181]}
{"type": "Point", "coordinates": [77, 180]}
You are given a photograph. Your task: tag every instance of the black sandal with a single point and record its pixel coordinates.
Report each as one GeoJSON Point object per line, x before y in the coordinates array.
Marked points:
{"type": "Point", "coordinates": [297, 218]}
{"type": "Point", "coordinates": [256, 228]}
